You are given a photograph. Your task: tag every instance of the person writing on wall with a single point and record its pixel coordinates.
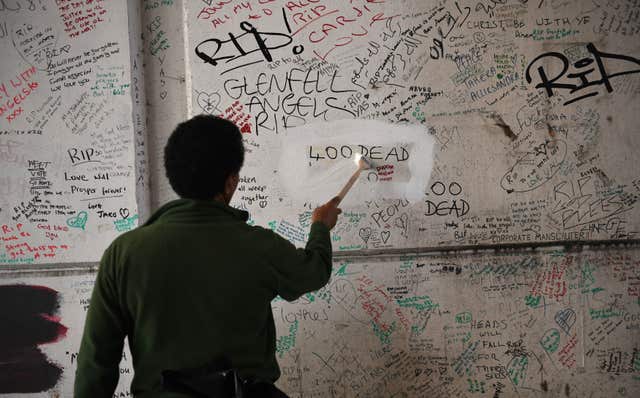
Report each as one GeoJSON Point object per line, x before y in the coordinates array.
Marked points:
{"type": "Point", "coordinates": [192, 287]}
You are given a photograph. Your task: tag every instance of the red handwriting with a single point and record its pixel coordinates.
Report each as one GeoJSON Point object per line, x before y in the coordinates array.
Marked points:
{"type": "Point", "coordinates": [50, 227]}
{"type": "Point", "coordinates": [373, 300]}
{"type": "Point", "coordinates": [338, 28]}
{"type": "Point", "coordinates": [12, 233]}
{"type": "Point", "coordinates": [551, 282]}
{"type": "Point", "coordinates": [235, 113]}
{"type": "Point", "coordinates": [15, 92]}
{"type": "Point", "coordinates": [80, 16]}
{"type": "Point", "coordinates": [219, 12]}
{"type": "Point", "coordinates": [385, 172]}
{"type": "Point", "coordinates": [214, 8]}
{"type": "Point", "coordinates": [24, 249]}
{"type": "Point", "coordinates": [51, 231]}
{"type": "Point", "coordinates": [403, 319]}
{"type": "Point", "coordinates": [567, 354]}
{"type": "Point", "coordinates": [19, 245]}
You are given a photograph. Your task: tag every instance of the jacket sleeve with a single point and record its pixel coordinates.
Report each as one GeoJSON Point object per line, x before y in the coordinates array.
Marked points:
{"type": "Point", "coordinates": [102, 342]}
{"type": "Point", "coordinates": [299, 271]}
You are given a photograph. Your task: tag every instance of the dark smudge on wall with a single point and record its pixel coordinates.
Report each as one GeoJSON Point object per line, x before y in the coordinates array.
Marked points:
{"type": "Point", "coordinates": [28, 319]}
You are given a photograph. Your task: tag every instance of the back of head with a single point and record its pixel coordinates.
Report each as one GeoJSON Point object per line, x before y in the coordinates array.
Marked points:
{"type": "Point", "coordinates": [200, 154]}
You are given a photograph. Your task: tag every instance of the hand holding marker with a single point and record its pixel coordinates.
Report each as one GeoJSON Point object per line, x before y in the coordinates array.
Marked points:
{"type": "Point", "coordinates": [363, 164]}
{"type": "Point", "coordinates": [328, 213]}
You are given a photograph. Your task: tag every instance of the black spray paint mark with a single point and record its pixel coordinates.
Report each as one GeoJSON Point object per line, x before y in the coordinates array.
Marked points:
{"type": "Point", "coordinates": [581, 77]}
{"type": "Point", "coordinates": [28, 320]}
{"type": "Point", "coordinates": [214, 51]}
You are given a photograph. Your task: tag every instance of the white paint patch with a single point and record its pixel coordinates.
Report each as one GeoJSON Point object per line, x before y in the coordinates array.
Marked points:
{"type": "Point", "coordinates": [317, 160]}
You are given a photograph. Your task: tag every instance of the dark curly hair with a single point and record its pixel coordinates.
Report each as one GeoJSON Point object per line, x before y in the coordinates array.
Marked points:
{"type": "Point", "coordinates": [200, 154]}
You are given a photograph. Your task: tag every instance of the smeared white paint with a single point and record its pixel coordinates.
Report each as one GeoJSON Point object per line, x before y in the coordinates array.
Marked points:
{"type": "Point", "coordinates": [312, 181]}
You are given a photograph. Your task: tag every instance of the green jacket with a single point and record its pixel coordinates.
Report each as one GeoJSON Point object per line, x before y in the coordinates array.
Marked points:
{"type": "Point", "coordinates": [192, 283]}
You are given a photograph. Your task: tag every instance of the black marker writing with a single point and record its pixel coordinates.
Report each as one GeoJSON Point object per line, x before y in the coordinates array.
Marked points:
{"type": "Point", "coordinates": [585, 68]}
{"type": "Point", "coordinates": [214, 51]}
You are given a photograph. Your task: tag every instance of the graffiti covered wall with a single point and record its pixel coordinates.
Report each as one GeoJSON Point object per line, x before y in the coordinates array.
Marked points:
{"type": "Point", "coordinates": [532, 108]}
{"type": "Point", "coordinates": [523, 120]}
{"type": "Point", "coordinates": [476, 325]}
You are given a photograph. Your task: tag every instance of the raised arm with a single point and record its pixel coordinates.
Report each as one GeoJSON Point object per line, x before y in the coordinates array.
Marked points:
{"type": "Point", "coordinates": [299, 271]}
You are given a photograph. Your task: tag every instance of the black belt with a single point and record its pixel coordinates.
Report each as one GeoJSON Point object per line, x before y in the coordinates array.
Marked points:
{"type": "Point", "coordinates": [216, 380]}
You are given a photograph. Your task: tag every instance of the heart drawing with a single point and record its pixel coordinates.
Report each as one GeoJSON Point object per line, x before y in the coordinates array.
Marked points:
{"type": "Point", "coordinates": [79, 221]}
{"type": "Point", "coordinates": [365, 234]}
{"type": "Point", "coordinates": [124, 213]}
{"type": "Point", "coordinates": [385, 236]}
{"type": "Point", "coordinates": [208, 102]}
{"type": "Point", "coordinates": [246, 129]}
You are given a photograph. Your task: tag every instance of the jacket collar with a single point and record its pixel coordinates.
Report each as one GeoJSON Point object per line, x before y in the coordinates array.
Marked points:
{"type": "Point", "coordinates": [195, 210]}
